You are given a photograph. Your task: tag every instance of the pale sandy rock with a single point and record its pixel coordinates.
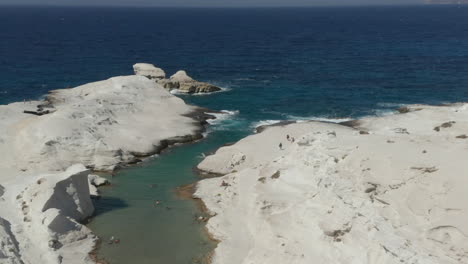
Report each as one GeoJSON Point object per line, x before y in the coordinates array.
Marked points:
{"type": "Point", "coordinates": [149, 71]}
{"type": "Point", "coordinates": [181, 77]}
{"type": "Point", "coordinates": [101, 125]}
{"type": "Point", "coordinates": [52, 206]}
{"type": "Point", "coordinates": [335, 195]}
{"type": "Point", "coordinates": [90, 123]}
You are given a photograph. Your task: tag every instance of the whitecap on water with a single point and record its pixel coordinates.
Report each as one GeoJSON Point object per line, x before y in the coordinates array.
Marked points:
{"type": "Point", "coordinates": [383, 112]}
{"type": "Point", "coordinates": [222, 116]}
{"type": "Point", "coordinates": [225, 120]}
{"type": "Point", "coordinates": [223, 89]}
{"type": "Point", "coordinates": [318, 118]}
{"type": "Point", "coordinates": [244, 79]}
{"type": "Point", "coordinates": [389, 105]}
{"type": "Point", "coordinates": [257, 124]}
{"type": "Point", "coordinates": [298, 119]}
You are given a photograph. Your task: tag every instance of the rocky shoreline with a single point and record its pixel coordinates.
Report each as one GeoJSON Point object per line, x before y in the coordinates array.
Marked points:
{"type": "Point", "coordinates": [375, 190]}
{"type": "Point", "coordinates": [101, 126]}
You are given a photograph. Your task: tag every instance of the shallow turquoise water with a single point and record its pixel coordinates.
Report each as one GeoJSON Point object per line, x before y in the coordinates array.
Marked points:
{"type": "Point", "coordinates": [168, 232]}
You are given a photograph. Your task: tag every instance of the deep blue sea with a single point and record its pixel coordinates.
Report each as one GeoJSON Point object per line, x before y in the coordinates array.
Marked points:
{"type": "Point", "coordinates": [294, 63]}
{"type": "Point", "coordinates": [301, 62]}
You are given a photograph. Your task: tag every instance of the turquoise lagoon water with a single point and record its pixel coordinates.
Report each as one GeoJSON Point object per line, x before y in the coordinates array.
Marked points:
{"type": "Point", "coordinates": [283, 63]}
{"type": "Point", "coordinates": [168, 232]}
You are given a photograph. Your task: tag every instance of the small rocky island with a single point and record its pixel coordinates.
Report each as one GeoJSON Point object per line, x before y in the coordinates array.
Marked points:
{"type": "Point", "coordinates": [180, 81]}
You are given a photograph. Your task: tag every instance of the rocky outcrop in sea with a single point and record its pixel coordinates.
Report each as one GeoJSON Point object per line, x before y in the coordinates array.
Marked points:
{"type": "Point", "coordinates": [180, 81]}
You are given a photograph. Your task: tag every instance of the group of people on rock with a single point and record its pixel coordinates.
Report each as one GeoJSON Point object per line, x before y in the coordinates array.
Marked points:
{"type": "Point", "coordinates": [288, 138]}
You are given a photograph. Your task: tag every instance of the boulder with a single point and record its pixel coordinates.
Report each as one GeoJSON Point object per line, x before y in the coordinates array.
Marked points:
{"type": "Point", "coordinates": [186, 84]}
{"type": "Point", "coordinates": [97, 180]}
{"type": "Point", "coordinates": [149, 71]}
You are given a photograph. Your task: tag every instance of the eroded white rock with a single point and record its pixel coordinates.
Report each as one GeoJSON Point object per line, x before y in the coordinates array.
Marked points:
{"type": "Point", "coordinates": [181, 77]}
{"type": "Point", "coordinates": [99, 125]}
{"type": "Point", "coordinates": [149, 71]}
{"type": "Point", "coordinates": [53, 206]}
{"type": "Point", "coordinates": [394, 195]}
{"type": "Point", "coordinates": [179, 81]}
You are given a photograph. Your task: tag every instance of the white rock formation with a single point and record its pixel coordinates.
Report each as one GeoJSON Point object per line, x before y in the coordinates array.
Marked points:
{"type": "Point", "coordinates": [391, 190]}
{"type": "Point", "coordinates": [180, 81]}
{"type": "Point", "coordinates": [181, 77]}
{"type": "Point", "coordinates": [149, 71]}
{"type": "Point", "coordinates": [43, 195]}
{"type": "Point", "coordinates": [185, 84]}
{"type": "Point", "coordinates": [99, 124]}
{"type": "Point", "coordinates": [48, 229]}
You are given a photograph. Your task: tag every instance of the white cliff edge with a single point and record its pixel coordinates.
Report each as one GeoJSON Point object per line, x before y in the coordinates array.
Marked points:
{"type": "Point", "coordinates": [390, 189]}
{"type": "Point", "coordinates": [44, 196]}
{"type": "Point", "coordinates": [48, 229]}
